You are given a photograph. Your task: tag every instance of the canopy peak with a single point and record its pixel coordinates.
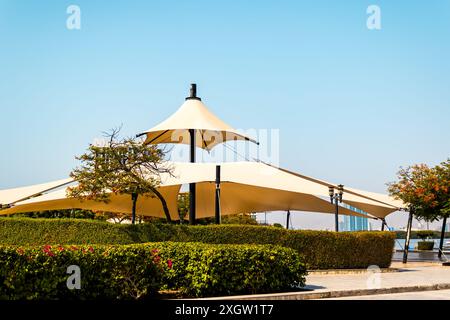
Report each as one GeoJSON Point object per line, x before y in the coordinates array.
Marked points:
{"type": "Point", "coordinates": [193, 93]}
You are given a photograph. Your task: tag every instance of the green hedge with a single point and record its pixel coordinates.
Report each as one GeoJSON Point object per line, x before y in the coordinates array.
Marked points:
{"type": "Point", "coordinates": [117, 272]}
{"type": "Point", "coordinates": [221, 269]}
{"type": "Point", "coordinates": [319, 249]}
{"type": "Point", "coordinates": [415, 234]}
{"type": "Point", "coordinates": [138, 271]}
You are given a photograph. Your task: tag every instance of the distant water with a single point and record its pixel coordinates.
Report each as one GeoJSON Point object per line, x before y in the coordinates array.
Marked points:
{"type": "Point", "coordinates": [400, 243]}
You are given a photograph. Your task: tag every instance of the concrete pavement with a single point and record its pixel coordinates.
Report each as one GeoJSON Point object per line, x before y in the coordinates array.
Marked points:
{"type": "Point", "coordinates": [412, 277]}
{"type": "Point", "coordinates": [420, 295]}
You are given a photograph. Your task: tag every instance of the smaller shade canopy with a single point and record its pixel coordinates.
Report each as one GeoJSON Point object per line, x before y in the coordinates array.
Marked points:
{"type": "Point", "coordinates": [11, 196]}
{"type": "Point", "coordinates": [193, 114]}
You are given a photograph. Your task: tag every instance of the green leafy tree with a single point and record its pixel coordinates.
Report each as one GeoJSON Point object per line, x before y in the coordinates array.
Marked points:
{"type": "Point", "coordinates": [183, 206]}
{"type": "Point", "coordinates": [121, 166]}
{"type": "Point", "coordinates": [424, 189]}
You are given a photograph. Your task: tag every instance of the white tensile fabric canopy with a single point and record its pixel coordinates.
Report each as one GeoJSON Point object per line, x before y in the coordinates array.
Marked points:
{"type": "Point", "coordinates": [245, 187]}
{"type": "Point", "coordinates": [376, 204]}
{"type": "Point", "coordinates": [193, 114]}
{"type": "Point", "coordinates": [11, 196]}
{"type": "Point", "coordinates": [58, 200]}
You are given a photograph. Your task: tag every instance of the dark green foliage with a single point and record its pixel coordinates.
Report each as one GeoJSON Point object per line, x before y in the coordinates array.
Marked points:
{"type": "Point", "coordinates": [107, 272]}
{"type": "Point", "coordinates": [206, 269]}
{"type": "Point", "coordinates": [138, 271]}
{"type": "Point", "coordinates": [70, 213]}
{"type": "Point", "coordinates": [278, 225]}
{"type": "Point", "coordinates": [425, 234]}
{"type": "Point", "coordinates": [425, 245]}
{"type": "Point", "coordinates": [414, 235]}
{"type": "Point", "coordinates": [318, 249]}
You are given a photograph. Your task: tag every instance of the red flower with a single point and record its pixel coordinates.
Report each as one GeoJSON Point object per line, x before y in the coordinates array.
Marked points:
{"type": "Point", "coordinates": [60, 248]}
{"type": "Point", "coordinates": [91, 249]}
{"type": "Point", "coordinates": [50, 254]}
{"type": "Point", "coordinates": [20, 251]}
{"type": "Point", "coordinates": [156, 259]}
{"type": "Point", "coordinates": [169, 263]}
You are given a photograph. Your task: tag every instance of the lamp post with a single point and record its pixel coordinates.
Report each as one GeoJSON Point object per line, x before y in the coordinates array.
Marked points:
{"type": "Point", "coordinates": [336, 198]}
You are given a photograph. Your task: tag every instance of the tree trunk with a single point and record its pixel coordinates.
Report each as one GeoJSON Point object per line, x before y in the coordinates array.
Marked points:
{"type": "Point", "coordinates": [441, 243]}
{"type": "Point", "coordinates": [164, 204]}
{"type": "Point", "coordinates": [408, 235]}
{"type": "Point", "coordinates": [134, 198]}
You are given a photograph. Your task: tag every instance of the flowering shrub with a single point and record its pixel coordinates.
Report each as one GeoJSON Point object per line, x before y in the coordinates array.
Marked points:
{"type": "Point", "coordinates": [139, 271]}
{"type": "Point", "coordinates": [107, 272]}
{"type": "Point", "coordinates": [199, 269]}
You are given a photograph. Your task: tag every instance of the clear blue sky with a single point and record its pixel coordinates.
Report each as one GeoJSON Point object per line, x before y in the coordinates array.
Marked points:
{"type": "Point", "coordinates": [352, 104]}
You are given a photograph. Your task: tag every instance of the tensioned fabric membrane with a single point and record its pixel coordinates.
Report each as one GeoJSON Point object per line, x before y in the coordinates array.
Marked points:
{"type": "Point", "coordinates": [193, 114]}
{"type": "Point", "coordinates": [376, 204]}
{"type": "Point", "coordinates": [245, 187]}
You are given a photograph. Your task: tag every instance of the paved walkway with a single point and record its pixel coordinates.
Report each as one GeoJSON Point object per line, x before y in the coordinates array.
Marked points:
{"type": "Point", "coordinates": [420, 295]}
{"type": "Point", "coordinates": [415, 276]}
{"type": "Point", "coordinates": [412, 275]}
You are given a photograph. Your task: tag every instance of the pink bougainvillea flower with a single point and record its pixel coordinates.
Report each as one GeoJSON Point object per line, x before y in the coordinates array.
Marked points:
{"type": "Point", "coordinates": [169, 264]}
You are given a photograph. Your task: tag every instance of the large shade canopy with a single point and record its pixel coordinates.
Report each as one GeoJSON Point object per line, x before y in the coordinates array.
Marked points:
{"type": "Point", "coordinates": [11, 196]}
{"type": "Point", "coordinates": [193, 114]}
{"type": "Point", "coordinates": [245, 187]}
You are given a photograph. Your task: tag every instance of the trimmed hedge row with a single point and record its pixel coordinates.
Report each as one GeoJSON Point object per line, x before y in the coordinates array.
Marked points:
{"type": "Point", "coordinates": [318, 249]}
{"type": "Point", "coordinates": [414, 234]}
{"type": "Point", "coordinates": [105, 272]}
{"type": "Point", "coordinates": [227, 269]}
{"type": "Point", "coordinates": [138, 271]}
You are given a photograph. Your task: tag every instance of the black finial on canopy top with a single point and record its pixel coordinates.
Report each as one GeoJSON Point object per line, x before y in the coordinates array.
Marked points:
{"type": "Point", "coordinates": [193, 92]}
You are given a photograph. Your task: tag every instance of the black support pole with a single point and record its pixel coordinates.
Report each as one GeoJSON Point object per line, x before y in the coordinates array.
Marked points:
{"type": "Point", "coordinates": [383, 222]}
{"type": "Point", "coordinates": [441, 243]}
{"type": "Point", "coordinates": [192, 215]}
{"type": "Point", "coordinates": [288, 217]}
{"type": "Point", "coordinates": [192, 133]}
{"type": "Point", "coordinates": [217, 202]}
{"type": "Point", "coordinates": [336, 216]}
{"type": "Point", "coordinates": [134, 198]}
{"type": "Point", "coordinates": [408, 236]}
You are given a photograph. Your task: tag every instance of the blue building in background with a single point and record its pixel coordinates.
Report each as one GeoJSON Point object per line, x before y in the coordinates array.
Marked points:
{"type": "Point", "coordinates": [352, 223]}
